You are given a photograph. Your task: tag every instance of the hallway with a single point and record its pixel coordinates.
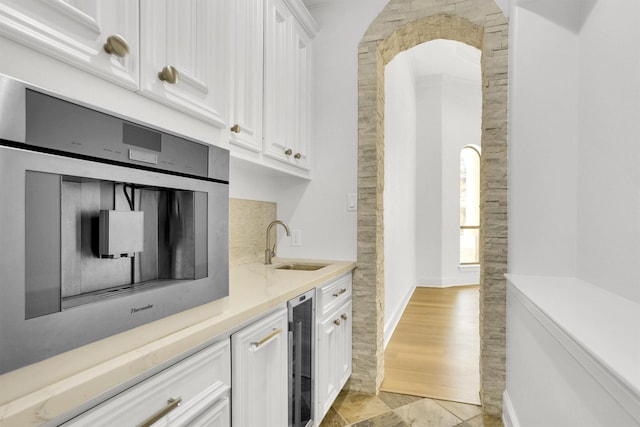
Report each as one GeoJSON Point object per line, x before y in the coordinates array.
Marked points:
{"type": "Point", "coordinates": [435, 349]}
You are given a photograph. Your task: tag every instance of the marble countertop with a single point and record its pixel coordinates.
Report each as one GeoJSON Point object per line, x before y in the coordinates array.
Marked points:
{"type": "Point", "coordinates": [47, 390]}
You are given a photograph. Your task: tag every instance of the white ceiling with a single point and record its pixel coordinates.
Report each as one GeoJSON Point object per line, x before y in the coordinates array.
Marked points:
{"type": "Point", "coordinates": [570, 14]}
{"type": "Point", "coordinates": [445, 57]}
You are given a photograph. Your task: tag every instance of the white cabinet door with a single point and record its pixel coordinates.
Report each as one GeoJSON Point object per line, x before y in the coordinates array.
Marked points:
{"type": "Point", "coordinates": [287, 86]}
{"type": "Point", "coordinates": [334, 348]}
{"type": "Point", "coordinates": [327, 389]}
{"type": "Point", "coordinates": [200, 384]}
{"type": "Point", "coordinates": [344, 359]}
{"type": "Point", "coordinates": [246, 73]}
{"type": "Point", "coordinates": [259, 377]}
{"type": "Point", "coordinates": [334, 357]}
{"type": "Point", "coordinates": [75, 31]}
{"type": "Point", "coordinates": [187, 39]}
{"type": "Point", "coordinates": [278, 78]}
{"type": "Point", "coordinates": [302, 79]}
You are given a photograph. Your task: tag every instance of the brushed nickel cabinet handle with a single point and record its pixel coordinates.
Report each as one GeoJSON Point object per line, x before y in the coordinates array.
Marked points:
{"type": "Point", "coordinates": [288, 151]}
{"type": "Point", "coordinates": [171, 405]}
{"type": "Point", "coordinates": [337, 322]}
{"type": "Point", "coordinates": [340, 292]}
{"type": "Point", "coordinates": [297, 156]}
{"type": "Point", "coordinates": [116, 45]}
{"type": "Point", "coordinates": [266, 338]}
{"type": "Point", "coordinates": [169, 74]}
{"type": "Point", "coordinates": [235, 128]}
{"type": "Point", "coordinates": [344, 316]}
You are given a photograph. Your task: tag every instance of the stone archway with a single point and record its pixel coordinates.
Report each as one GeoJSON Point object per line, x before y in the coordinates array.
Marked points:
{"type": "Point", "coordinates": [400, 26]}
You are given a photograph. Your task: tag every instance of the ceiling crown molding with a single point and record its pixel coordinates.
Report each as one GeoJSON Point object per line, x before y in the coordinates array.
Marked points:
{"type": "Point", "coordinates": [311, 4]}
{"type": "Point", "coordinates": [301, 12]}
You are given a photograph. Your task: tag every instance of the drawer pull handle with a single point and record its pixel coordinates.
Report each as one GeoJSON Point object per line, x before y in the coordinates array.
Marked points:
{"type": "Point", "coordinates": [171, 405]}
{"type": "Point", "coordinates": [344, 316]}
{"type": "Point", "coordinates": [340, 292]}
{"type": "Point", "coordinates": [266, 338]}
{"type": "Point", "coordinates": [337, 322]}
{"type": "Point", "coordinates": [236, 128]}
{"type": "Point", "coordinates": [288, 151]}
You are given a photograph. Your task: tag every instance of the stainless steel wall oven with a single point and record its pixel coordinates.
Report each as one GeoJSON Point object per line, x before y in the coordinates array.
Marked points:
{"type": "Point", "coordinates": [105, 224]}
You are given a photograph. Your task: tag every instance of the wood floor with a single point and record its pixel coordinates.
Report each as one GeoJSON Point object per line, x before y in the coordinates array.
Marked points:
{"type": "Point", "coordinates": [435, 349]}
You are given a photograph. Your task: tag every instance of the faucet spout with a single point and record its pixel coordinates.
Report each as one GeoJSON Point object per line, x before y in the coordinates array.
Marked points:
{"type": "Point", "coordinates": [269, 252]}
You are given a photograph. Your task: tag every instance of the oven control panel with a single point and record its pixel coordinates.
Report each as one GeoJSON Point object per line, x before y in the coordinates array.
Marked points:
{"type": "Point", "coordinates": [57, 124]}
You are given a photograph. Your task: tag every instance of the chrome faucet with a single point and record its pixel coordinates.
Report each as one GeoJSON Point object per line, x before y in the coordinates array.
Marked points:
{"type": "Point", "coordinates": [269, 253]}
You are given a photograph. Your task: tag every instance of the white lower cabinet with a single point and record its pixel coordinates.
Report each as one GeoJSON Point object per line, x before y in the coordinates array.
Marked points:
{"type": "Point", "coordinates": [242, 381]}
{"type": "Point", "coordinates": [193, 392]}
{"type": "Point", "coordinates": [333, 348]}
{"type": "Point", "coordinates": [259, 377]}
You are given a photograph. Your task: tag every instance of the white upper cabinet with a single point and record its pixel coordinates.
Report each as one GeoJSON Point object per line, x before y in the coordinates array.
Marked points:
{"type": "Point", "coordinates": [302, 97]}
{"type": "Point", "coordinates": [278, 77]}
{"type": "Point", "coordinates": [79, 32]}
{"type": "Point", "coordinates": [184, 55]}
{"type": "Point", "coordinates": [240, 64]}
{"type": "Point", "coordinates": [271, 90]}
{"type": "Point", "coordinates": [246, 75]}
{"type": "Point", "coordinates": [287, 85]}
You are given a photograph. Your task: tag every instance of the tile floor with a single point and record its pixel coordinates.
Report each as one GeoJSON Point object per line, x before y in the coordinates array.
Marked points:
{"type": "Point", "coordinates": [401, 410]}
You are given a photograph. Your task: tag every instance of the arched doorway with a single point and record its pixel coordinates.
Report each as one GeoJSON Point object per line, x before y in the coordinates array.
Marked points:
{"type": "Point", "coordinates": [400, 26]}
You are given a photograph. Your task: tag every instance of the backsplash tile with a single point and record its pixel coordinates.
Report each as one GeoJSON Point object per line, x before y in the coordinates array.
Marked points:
{"type": "Point", "coordinates": [248, 221]}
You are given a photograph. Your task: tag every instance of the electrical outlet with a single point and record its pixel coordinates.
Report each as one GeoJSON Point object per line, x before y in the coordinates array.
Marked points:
{"type": "Point", "coordinates": [296, 238]}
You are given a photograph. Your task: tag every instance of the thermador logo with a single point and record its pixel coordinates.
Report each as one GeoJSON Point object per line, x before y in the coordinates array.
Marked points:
{"type": "Point", "coordinates": [137, 309]}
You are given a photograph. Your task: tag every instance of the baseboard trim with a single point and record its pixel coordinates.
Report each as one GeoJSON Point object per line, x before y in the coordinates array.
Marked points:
{"type": "Point", "coordinates": [509, 417]}
{"type": "Point", "coordinates": [472, 278]}
{"type": "Point", "coordinates": [392, 323]}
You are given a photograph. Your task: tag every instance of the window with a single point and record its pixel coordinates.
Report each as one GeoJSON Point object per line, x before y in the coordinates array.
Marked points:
{"type": "Point", "coordinates": [470, 205]}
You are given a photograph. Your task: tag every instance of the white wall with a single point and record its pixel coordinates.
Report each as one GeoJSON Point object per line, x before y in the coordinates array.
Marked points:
{"type": "Point", "coordinates": [542, 146]}
{"type": "Point", "coordinates": [399, 189]}
{"type": "Point", "coordinates": [450, 115]}
{"type": "Point", "coordinates": [252, 182]}
{"type": "Point", "coordinates": [609, 149]}
{"type": "Point", "coordinates": [574, 181]}
{"type": "Point", "coordinates": [429, 182]}
{"type": "Point", "coordinates": [319, 208]}
{"type": "Point", "coordinates": [461, 126]}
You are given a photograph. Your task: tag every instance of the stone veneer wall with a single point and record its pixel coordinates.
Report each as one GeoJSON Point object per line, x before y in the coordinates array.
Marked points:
{"type": "Point", "coordinates": [248, 221]}
{"type": "Point", "coordinates": [400, 26]}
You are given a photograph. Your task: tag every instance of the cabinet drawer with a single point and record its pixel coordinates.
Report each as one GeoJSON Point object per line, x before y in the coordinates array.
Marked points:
{"type": "Point", "coordinates": [201, 382]}
{"type": "Point", "coordinates": [333, 294]}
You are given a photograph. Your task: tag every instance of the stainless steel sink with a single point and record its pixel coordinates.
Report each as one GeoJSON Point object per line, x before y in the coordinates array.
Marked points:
{"type": "Point", "coordinates": [301, 267]}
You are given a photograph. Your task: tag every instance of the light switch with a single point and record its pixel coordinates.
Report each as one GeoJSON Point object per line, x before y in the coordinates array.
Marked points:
{"type": "Point", "coordinates": [296, 238]}
{"type": "Point", "coordinates": [352, 202]}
